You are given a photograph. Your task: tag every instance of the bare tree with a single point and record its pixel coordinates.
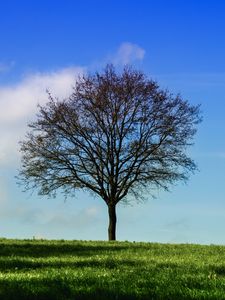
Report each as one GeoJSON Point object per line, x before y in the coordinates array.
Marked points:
{"type": "Point", "coordinates": [118, 135]}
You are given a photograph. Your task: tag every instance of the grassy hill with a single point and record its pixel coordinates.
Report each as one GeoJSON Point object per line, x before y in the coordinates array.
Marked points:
{"type": "Point", "coordinates": [41, 269]}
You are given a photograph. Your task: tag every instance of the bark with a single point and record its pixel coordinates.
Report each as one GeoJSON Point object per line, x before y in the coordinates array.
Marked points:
{"type": "Point", "coordinates": [112, 222]}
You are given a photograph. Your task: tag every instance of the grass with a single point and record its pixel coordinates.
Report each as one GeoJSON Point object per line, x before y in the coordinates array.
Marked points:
{"type": "Point", "coordinates": [80, 270]}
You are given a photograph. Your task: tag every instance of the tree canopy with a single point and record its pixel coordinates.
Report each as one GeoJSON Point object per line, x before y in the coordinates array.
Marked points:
{"type": "Point", "coordinates": [118, 135]}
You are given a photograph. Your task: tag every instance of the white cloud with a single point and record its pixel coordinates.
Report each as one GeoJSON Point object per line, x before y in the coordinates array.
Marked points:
{"type": "Point", "coordinates": [19, 103]}
{"type": "Point", "coordinates": [127, 53]}
{"type": "Point", "coordinates": [79, 219]}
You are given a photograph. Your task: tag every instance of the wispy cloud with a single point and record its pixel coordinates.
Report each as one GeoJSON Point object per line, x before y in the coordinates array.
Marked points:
{"type": "Point", "coordinates": [19, 102]}
{"type": "Point", "coordinates": [5, 67]}
{"type": "Point", "coordinates": [79, 219]}
{"type": "Point", "coordinates": [220, 154]}
{"type": "Point", "coordinates": [127, 53]}
{"type": "Point", "coordinates": [212, 155]}
{"type": "Point", "coordinates": [56, 217]}
{"type": "Point", "coordinates": [177, 224]}
{"type": "Point", "coordinates": [3, 190]}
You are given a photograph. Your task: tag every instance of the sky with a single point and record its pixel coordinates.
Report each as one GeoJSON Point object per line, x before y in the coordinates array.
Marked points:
{"type": "Point", "coordinates": [46, 44]}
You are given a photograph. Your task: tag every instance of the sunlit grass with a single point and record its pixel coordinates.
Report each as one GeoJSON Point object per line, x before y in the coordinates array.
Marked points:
{"type": "Point", "coordinates": [41, 269]}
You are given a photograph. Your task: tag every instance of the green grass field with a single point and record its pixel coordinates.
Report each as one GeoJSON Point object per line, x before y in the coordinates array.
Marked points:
{"type": "Point", "coordinates": [41, 269]}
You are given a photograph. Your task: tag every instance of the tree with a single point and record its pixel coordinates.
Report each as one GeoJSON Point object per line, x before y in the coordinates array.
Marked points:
{"type": "Point", "coordinates": [118, 135]}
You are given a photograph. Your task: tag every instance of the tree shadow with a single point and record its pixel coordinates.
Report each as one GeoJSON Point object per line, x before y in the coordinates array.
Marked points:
{"type": "Point", "coordinates": [107, 263]}
{"type": "Point", "coordinates": [60, 290]}
{"type": "Point", "coordinates": [43, 249]}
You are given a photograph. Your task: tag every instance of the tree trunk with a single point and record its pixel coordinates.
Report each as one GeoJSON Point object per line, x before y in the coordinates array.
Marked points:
{"type": "Point", "coordinates": [112, 222]}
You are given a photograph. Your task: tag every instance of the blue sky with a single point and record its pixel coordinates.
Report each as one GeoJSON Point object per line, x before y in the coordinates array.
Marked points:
{"type": "Point", "coordinates": [181, 44]}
